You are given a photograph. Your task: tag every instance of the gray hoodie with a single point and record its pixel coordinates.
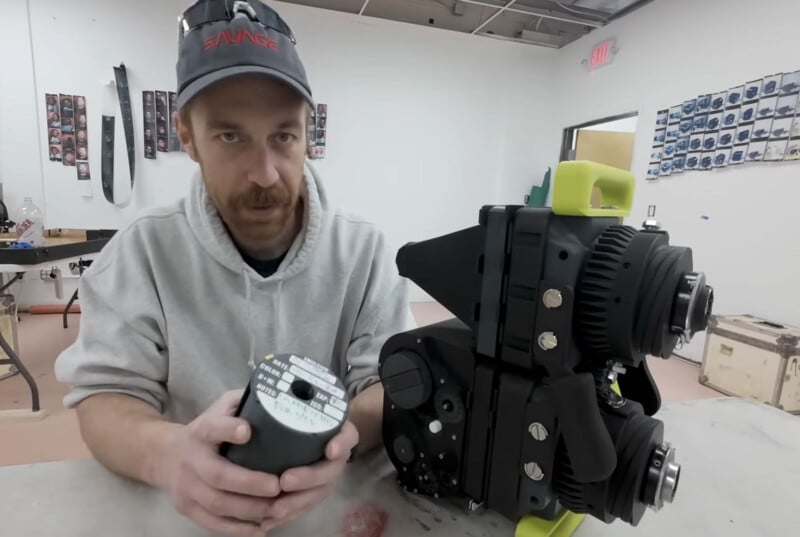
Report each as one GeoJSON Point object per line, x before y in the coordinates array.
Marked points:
{"type": "Point", "coordinates": [172, 315]}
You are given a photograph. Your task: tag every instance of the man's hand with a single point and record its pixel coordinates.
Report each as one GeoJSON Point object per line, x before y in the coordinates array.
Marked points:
{"type": "Point", "coordinates": [306, 486]}
{"type": "Point", "coordinates": [217, 494]}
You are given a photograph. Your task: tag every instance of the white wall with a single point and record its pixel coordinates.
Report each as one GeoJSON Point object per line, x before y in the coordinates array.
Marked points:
{"type": "Point", "coordinates": [675, 50]}
{"type": "Point", "coordinates": [425, 126]}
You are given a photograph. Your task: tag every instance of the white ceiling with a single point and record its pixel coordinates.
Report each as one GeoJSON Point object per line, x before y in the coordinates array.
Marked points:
{"type": "Point", "coordinates": [549, 23]}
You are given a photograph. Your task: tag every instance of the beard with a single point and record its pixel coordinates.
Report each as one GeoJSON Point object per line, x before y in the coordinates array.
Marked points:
{"type": "Point", "coordinates": [260, 215]}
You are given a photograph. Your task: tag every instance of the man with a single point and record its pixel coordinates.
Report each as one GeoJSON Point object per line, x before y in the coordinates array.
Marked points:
{"type": "Point", "coordinates": [180, 305]}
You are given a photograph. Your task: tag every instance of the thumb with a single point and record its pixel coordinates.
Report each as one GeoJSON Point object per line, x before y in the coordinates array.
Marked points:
{"type": "Point", "coordinates": [216, 430]}
{"type": "Point", "coordinates": [226, 404]}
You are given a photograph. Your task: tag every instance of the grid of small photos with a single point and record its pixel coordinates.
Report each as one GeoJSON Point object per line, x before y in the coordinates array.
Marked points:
{"type": "Point", "coordinates": [317, 132]}
{"type": "Point", "coordinates": [755, 122]}
{"type": "Point", "coordinates": [160, 135]}
{"type": "Point", "coordinates": [67, 132]}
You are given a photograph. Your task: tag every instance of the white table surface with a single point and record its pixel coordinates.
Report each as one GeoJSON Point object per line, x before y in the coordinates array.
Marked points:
{"type": "Point", "coordinates": [740, 478]}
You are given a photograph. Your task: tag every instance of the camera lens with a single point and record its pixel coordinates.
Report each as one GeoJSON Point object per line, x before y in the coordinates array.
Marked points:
{"type": "Point", "coordinates": [663, 476]}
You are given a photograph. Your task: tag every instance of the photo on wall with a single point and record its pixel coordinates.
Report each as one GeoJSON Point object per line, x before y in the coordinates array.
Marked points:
{"type": "Point", "coordinates": [81, 131]}
{"type": "Point", "coordinates": [666, 168]}
{"type": "Point", "coordinates": [738, 154]}
{"type": "Point", "coordinates": [792, 150]}
{"type": "Point", "coordinates": [752, 90]}
{"type": "Point", "coordinates": [771, 85]}
{"type": "Point", "coordinates": [149, 117]}
{"type": "Point", "coordinates": [786, 105]}
{"type": "Point", "coordinates": [707, 160]}
{"type": "Point", "coordinates": [703, 104]}
{"type": "Point", "coordinates": [726, 138]}
{"type": "Point", "coordinates": [790, 83]}
{"type": "Point", "coordinates": [781, 128]}
{"type": "Point", "coordinates": [743, 133]}
{"type": "Point", "coordinates": [174, 143]}
{"type": "Point", "coordinates": [714, 121]}
{"type": "Point", "coordinates": [748, 112]}
{"type": "Point", "coordinates": [766, 106]}
{"type": "Point", "coordinates": [67, 110]}
{"type": "Point", "coordinates": [795, 127]}
{"type": "Point", "coordinates": [696, 141]}
{"type": "Point", "coordinates": [688, 108]}
{"type": "Point", "coordinates": [756, 151]}
{"type": "Point", "coordinates": [661, 118]}
{"type": "Point", "coordinates": [761, 129]}
{"type": "Point", "coordinates": [700, 122]}
{"type": "Point", "coordinates": [673, 131]}
{"type": "Point", "coordinates": [710, 141]}
{"type": "Point", "coordinates": [730, 118]}
{"type": "Point", "coordinates": [734, 96]}
{"type": "Point", "coordinates": [692, 161]}
{"type": "Point", "coordinates": [686, 126]}
{"type": "Point", "coordinates": [678, 164]}
{"type": "Point", "coordinates": [84, 173]}
{"type": "Point", "coordinates": [162, 125]}
{"type": "Point", "coordinates": [718, 101]}
{"type": "Point", "coordinates": [775, 149]}
{"type": "Point", "coordinates": [68, 149]}
{"type": "Point", "coordinates": [660, 137]}
{"type": "Point", "coordinates": [53, 127]}
{"type": "Point", "coordinates": [682, 146]}
{"type": "Point", "coordinates": [721, 158]}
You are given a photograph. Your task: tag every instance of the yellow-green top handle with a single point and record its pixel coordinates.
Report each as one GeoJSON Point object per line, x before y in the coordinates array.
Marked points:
{"type": "Point", "coordinates": [575, 180]}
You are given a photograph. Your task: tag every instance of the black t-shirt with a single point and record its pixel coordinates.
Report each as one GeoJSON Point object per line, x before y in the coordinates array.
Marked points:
{"type": "Point", "coordinates": [266, 267]}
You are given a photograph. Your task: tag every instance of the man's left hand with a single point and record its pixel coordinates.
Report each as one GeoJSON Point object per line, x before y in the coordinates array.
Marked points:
{"type": "Point", "coordinates": [304, 487]}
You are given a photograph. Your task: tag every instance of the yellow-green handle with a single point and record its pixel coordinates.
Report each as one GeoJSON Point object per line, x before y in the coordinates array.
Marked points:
{"type": "Point", "coordinates": [562, 526]}
{"type": "Point", "coordinates": [576, 179]}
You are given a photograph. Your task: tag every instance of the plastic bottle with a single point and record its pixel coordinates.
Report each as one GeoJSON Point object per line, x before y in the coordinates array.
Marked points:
{"type": "Point", "coordinates": [30, 224]}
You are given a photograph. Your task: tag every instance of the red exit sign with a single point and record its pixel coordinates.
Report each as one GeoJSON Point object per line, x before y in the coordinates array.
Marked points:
{"type": "Point", "coordinates": [602, 54]}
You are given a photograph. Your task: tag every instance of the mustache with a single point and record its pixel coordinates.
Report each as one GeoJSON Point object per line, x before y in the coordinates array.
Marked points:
{"type": "Point", "coordinates": [274, 196]}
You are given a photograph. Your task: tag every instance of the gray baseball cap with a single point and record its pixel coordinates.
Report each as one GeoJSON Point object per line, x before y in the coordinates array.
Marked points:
{"type": "Point", "coordinates": [224, 38]}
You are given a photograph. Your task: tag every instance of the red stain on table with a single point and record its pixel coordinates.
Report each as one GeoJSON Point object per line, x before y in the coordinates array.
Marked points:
{"type": "Point", "coordinates": [365, 520]}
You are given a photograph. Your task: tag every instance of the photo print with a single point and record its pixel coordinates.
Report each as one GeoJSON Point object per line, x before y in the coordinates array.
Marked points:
{"type": "Point", "coordinates": [748, 112]}
{"type": "Point", "coordinates": [790, 83]}
{"type": "Point", "coordinates": [761, 129]}
{"type": "Point", "coordinates": [686, 126]}
{"type": "Point", "coordinates": [721, 158]}
{"type": "Point", "coordinates": [771, 85]}
{"type": "Point", "coordinates": [322, 110]}
{"type": "Point", "coordinates": [692, 161]}
{"type": "Point", "coordinates": [786, 105]}
{"type": "Point", "coordinates": [738, 154]}
{"type": "Point", "coordinates": [673, 131]}
{"type": "Point", "coordinates": [730, 118]}
{"type": "Point", "coordinates": [661, 118]}
{"type": "Point", "coordinates": [67, 108]}
{"type": "Point", "coordinates": [652, 170]}
{"type": "Point", "coordinates": [174, 143]}
{"type": "Point", "coordinates": [700, 122]}
{"type": "Point", "coordinates": [766, 106]}
{"type": "Point", "coordinates": [775, 149]}
{"type": "Point", "coordinates": [53, 127]}
{"type": "Point", "coordinates": [756, 151]}
{"type": "Point", "coordinates": [710, 141]}
{"type": "Point", "coordinates": [781, 128]}
{"type": "Point", "coordinates": [675, 114]}
{"type": "Point", "coordinates": [696, 142]}
{"type": "Point", "coordinates": [162, 125]}
{"type": "Point", "coordinates": [660, 137]}
{"type": "Point", "coordinates": [752, 90]}
{"type": "Point", "coordinates": [688, 108]}
{"type": "Point", "coordinates": [84, 173]}
{"type": "Point", "coordinates": [678, 164]}
{"type": "Point", "coordinates": [669, 149]}
{"type": "Point", "coordinates": [707, 160]}
{"type": "Point", "coordinates": [718, 101]}
{"type": "Point", "coordinates": [714, 121]}
{"type": "Point", "coordinates": [795, 127]}
{"type": "Point", "coordinates": [743, 133]}
{"type": "Point", "coordinates": [682, 146]}
{"type": "Point", "coordinates": [149, 117]}
{"type": "Point", "coordinates": [734, 96]}
{"type": "Point", "coordinates": [792, 150]}
{"type": "Point", "coordinates": [726, 138]}
{"type": "Point", "coordinates": [666, 168]}
{"type": "Point", "coordinates": [703, 104]}
{"type": "Point", "coordinates": [81, 130]}
{"type": "Point", "coordinates": [656, 154]}
{"type": "Point", "coordinates": [68, 149]}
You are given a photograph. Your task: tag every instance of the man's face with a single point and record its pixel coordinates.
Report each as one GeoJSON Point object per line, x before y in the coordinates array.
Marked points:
{"type": "Point", "coordinates": [249, 136]}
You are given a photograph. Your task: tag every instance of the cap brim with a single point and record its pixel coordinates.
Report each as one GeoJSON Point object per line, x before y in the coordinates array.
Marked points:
{"type": "Point", "coordinates": [205, 81]}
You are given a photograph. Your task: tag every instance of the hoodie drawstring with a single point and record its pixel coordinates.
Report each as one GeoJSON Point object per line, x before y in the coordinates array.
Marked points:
{"type": "Point", "coordinates": [247, 292]}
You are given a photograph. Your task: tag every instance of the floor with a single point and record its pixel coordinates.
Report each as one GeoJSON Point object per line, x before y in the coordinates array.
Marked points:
{"type": "Point", "coordinates": [56, 437]}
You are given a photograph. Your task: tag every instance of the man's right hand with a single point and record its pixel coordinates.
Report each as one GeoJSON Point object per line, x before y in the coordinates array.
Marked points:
{"type": "Point", "coordinates": [207, 488]}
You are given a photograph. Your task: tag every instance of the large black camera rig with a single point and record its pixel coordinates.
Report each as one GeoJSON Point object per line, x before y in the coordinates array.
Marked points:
{"type": "Point", "coordinates": [536, 397]}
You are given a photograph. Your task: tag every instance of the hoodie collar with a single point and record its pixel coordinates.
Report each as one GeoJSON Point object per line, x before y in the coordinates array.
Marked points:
{"type": "Point", "coordinates": [208, 228]}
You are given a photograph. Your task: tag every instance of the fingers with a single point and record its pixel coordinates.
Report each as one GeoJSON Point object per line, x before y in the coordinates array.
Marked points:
{"type": "Point", "coordinates": [291, 506]}
{"type": "Point", "coordinates": [215, 430]}
{"type": "Point", "coordinates": [310, 477]}
{"type": "Point", "coordinates": [225, 526]}
{"type": "Point", "coordinates": [219, 473]}
{"type": "Point", "coordinates": [227, 504]}
{"type": "Point", "coordinates": [226, 404]}
{"type": "Point", "coordinates": [340, 445]}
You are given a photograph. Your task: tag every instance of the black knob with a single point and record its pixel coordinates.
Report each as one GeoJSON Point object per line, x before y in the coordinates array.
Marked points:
{"type": "Point", "coordinates": [406, 379]}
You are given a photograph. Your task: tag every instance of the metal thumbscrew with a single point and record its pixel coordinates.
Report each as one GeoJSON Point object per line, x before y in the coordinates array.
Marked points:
{"type": "Point", "coordinates": [548, 341]}
{"type": "Point", "coordinates": [538, 431]}
{"type": "Point", "coordinates": [552, 298]}
{"type": "Point", "coordinates": [534, 471]}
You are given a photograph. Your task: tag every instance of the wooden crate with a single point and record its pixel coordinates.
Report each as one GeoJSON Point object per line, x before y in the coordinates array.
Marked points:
{"type": "Point", "coordinates": [753, 358]}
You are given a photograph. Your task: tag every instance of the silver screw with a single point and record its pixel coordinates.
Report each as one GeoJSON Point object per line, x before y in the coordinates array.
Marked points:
{"type": "Point", "coordinates": [435, 426]}
{"type": "Point", "coordinates": [552, 298]}
{"type": "Point", "coordinates": [548, 341]}
{"type": "Point", "coordinates": [538, 431]}
{"type": "Point", "coordinates": [534, 471]}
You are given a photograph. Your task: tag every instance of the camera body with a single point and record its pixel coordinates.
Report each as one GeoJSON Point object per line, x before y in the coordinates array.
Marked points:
{"type": "Point", "coordinates": [515, 403]}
